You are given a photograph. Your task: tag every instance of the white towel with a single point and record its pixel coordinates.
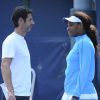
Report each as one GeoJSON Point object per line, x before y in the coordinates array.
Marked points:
{"type": "Point", "coordinates": [4, 89]}
{"type": "Point", "coordinates": [82, 96]}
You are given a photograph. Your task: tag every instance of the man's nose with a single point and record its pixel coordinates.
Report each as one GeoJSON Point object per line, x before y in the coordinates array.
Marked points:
{"type": "Point", "coordinates": [33, 22]}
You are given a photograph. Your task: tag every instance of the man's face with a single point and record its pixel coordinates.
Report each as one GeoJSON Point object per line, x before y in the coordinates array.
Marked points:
{"type": "Point", "coordinates": [28, 23]}
{"type": "Point", "coordinates": [74, 29]}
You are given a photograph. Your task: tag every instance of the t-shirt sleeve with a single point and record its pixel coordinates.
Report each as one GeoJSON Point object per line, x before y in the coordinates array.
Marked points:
{"type": "Point", "coordinates": [8, 49]}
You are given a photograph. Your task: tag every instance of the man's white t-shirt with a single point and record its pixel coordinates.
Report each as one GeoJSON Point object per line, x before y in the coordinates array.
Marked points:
{"type": "Point", "coordinates": [14, 46]}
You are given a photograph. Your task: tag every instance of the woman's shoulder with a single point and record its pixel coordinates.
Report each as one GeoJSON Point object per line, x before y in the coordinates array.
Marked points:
{"type": "Point", "coordinates": [86, 43]}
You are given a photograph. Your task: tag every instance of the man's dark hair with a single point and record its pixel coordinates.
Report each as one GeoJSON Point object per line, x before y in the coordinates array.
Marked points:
{"type": "Point", "coordinates": [20, 12]}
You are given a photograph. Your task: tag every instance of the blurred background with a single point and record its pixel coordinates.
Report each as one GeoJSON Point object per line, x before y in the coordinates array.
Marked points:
{"type": "Point", "coordinates": [48, 41]}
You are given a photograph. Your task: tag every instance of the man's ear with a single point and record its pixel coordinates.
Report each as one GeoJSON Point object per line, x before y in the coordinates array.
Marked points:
{"type": "Point", "coordinates": [20, 21]}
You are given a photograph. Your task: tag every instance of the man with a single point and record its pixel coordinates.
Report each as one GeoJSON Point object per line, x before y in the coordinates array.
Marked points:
{"type": "Point", "coordinates": [15, 66]}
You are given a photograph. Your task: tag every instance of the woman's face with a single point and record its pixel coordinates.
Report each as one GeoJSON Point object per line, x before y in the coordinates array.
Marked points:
{"type": "Point", "coordinates": [74, 29]}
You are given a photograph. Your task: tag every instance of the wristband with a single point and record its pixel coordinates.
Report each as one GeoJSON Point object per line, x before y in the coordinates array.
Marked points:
{"type": "Point", "coordinates": [75, 97]}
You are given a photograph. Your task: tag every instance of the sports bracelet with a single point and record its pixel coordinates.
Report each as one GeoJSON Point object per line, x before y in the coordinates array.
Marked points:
{"type": "Point", "coordinates": [75, 97]}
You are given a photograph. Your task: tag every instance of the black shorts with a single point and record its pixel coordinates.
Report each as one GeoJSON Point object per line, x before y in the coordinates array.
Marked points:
{"type": "Point", "coordinates": [19, 98]}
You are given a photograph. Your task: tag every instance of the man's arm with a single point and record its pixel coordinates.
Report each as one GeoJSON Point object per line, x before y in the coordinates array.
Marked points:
{"type": "Point", "coordinates": [6, 73]}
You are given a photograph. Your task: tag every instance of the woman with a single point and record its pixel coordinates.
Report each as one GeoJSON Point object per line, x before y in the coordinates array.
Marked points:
{"type": "Point", "coordinates": [80, 69]}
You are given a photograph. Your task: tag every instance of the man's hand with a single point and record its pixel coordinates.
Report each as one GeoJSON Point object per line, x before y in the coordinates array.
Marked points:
{"type": "Point", "coordinates": [11, 96]}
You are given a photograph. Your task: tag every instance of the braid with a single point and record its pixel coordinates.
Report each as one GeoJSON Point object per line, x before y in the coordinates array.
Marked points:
{"type": "Point", "coordinates": [92, 34]}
